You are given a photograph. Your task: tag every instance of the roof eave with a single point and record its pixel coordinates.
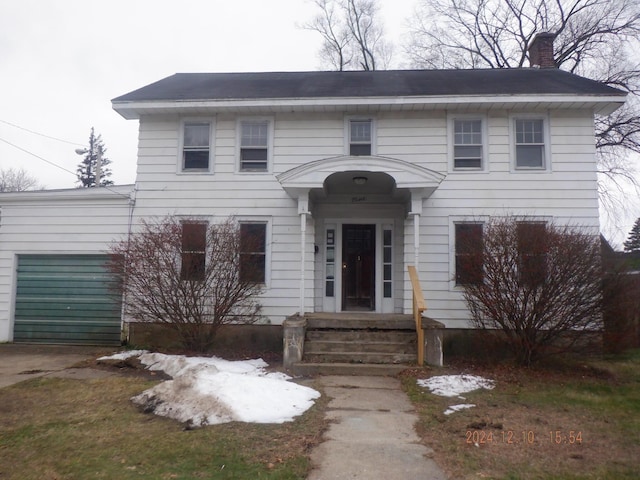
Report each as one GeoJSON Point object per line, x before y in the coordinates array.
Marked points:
{"type": "Point", "coordinates": [601, 104]}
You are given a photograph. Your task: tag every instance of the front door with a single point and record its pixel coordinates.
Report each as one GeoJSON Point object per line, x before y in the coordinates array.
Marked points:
{"type": "Point", "coordinates": [358, 267]}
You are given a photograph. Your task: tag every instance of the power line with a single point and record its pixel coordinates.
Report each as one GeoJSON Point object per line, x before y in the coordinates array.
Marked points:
{"type": "Point", "coordinates": [37, 156]}
{"type": "Point", "coordinates": [57, 166]}
{"type": "Point", "coordinates": [41, 134]}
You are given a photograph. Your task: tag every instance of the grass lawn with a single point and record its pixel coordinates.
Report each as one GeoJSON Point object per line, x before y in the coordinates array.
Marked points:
{"type": "Point", "coordinates": [562, 421]}
{"type": "Point", "coordinates": [53, 428]}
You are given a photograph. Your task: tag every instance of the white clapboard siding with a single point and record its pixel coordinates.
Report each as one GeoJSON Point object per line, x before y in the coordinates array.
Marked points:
{"type": "Point", "coordinates": [58, 222]}
{"type": "Point", "coordinates": [565, 192]}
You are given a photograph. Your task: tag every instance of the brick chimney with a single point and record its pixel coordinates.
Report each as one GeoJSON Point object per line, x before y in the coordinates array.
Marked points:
{"type": "Point", "coordinates": [541, 51]}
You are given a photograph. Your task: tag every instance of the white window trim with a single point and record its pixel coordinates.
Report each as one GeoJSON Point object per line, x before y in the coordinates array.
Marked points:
{"type": "Point", "coordinates": [270, 140]}
{"type": "Point", "coordinates": [212, 141]}
{"type": "Point", "coordinates": [484, 163]}
{"type": "Point", "coordinates": [453, 221]}
{"type": "Point", "coordinates": [546, 131]}
{"type": "Point", "coordinates": [347, 133]}
{"type": "Point", "coordinates": [266, 220]}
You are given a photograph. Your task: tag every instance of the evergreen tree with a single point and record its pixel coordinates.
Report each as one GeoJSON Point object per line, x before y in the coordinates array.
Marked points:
{"type": "Point", "coordinates": [633, 242]}
{"type": "Point", "coordinates": [88, 168]}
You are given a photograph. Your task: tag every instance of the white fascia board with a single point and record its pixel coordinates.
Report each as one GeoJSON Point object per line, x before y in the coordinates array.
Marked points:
{"type": "Point", "coordinates": [122, 193]}
{"type": "Point", "coordinates": [601, 104]}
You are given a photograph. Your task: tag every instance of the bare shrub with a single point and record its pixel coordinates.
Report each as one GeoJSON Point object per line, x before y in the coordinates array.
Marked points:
{"type": "Point", "coordinates": [540, 284]}
{"type": "Point", "coordinates": [189, 275]}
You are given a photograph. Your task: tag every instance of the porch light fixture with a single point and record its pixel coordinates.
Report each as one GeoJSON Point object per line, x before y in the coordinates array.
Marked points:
{"type": "Point", "coordinates": [360, 180]}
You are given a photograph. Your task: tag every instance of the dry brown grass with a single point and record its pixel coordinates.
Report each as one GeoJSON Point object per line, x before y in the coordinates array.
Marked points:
{"type": "Point", "coordinates": [511, 433]}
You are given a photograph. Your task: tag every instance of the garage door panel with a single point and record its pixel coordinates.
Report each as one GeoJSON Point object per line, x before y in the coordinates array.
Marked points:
{"type": "Point", "coordinates": [66, 299]}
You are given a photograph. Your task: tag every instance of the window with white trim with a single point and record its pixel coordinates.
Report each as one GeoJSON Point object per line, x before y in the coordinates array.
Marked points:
{"type": "Point", "coordinates": [254, 145]}
{"type": "Point", "coordinates": [530, 143]}
{"type": "Point", "coordinates": [360, 137]}
{"type": "Point", "coordinates": [467, 144]}
{"type": "Point", "coordinates": [196, 146]}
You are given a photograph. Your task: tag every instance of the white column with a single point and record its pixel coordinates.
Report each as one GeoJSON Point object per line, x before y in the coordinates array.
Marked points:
{"type": "Point", "coordinates": [303, 231]}
{"type": "Point", "coordinates": [303, 211]}
{"type": "Point", "coordinates": [417, 195]}
{"type": "Point", "coordinates": [416, 239]}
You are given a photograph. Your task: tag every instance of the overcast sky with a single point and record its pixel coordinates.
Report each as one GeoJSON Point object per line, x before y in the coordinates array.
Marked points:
{"type": "Point", "coordinates": [61, 63]}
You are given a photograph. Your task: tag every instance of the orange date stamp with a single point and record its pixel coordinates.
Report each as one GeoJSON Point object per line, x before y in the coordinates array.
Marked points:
{"type": "Point", "coordinates": [524, 437]}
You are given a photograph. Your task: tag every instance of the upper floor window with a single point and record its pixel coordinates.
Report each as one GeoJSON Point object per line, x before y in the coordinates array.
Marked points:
{"type": "Point", "coordinates": [194, 246]}
{"type": "Point", "coordinates": [253, 251]}
{"type": "Point", "coordinates": [254, 145]}
{"type": "Point", "coordinates": [467, 143]}
{"type": "Point", "coordinates": [468, 253]}
{"type": "Point", "coordinates": [360, 137]}
{"type": "Point", "coordinates": [530, 143]}
{"type": "Point", "coordinates": [196, 146]}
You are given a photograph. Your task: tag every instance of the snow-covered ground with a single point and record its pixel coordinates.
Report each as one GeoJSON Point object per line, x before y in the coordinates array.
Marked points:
{"type": "Point", "coordinates": [455, 386]}
{"type": "Point", "coordinates": [210, 390]}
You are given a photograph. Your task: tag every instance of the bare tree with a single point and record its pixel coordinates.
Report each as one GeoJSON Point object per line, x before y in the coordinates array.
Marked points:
{"type": "Point", "coordinates": [598, 39]}
{"type": "Point", "coordinates": [539, 284]}
{"type": "Point", "coordinates": [189, 275]}
{"type": "Point", "coordinates": [18, 180]}
{"type": "Point", "coordinates": [352, 33]}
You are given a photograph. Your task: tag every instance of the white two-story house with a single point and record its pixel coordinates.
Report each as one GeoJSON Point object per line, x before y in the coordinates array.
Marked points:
{"type": "Point", "coordinates": [348, 177]}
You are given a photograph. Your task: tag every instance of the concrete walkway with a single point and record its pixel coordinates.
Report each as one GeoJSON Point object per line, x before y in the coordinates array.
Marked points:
{"type": "Point", "coordinates": [20, 362]}
{"type": "Point", "coordinates": [372, 434]}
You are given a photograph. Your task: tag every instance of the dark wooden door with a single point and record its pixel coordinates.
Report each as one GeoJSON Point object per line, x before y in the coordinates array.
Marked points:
{"type": "Point", "coordinates": [358, 267]}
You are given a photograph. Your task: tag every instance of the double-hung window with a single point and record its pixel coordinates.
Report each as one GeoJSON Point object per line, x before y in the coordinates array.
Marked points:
{"type": "Point", "coordinates": [196, 146]}
{"type": "Point", "coordinates": [530, 143]}
{"type": "Point", "coordinates": [360, 137]}
{"type": "Point", "coordinates": [253, 251]}
{"type": "Point", "coordinates": [193, 255]}
{"type": "Point", "coordinates": [468, 253]}
{"type": "Point", "coordinates": [467, 144]}
{"type": "Point", "coordinates": [254, 145]}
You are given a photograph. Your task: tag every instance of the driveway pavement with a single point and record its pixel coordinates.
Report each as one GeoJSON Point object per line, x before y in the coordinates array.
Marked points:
{"type": "Point", "coordinates": [372, 434]}
{"type": "Point", "coordinates": [19, 362]}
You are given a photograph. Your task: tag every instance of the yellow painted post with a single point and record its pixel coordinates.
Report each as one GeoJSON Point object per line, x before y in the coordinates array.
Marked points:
{"type": "Point", "coordinates": [419, 306]}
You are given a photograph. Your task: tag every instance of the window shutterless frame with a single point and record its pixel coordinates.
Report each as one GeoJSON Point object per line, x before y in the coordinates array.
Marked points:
{"type": "Point", "coordinates": [360, 136]}
{"type": "Point", "coordinates": [468, 151]}
{"type": "Point", "coordinates": [196, 145]}
{"type": "Point", "coordinates": [530, 143]}
{"type": "Point", "coordinates": [254, 144]}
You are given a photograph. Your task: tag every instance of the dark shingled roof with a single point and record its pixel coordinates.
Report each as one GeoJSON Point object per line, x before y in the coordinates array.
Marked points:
{"type": "Point", "coordinates": [380, 83]}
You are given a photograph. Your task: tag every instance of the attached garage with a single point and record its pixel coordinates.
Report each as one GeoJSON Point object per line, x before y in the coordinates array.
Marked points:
{"type": "Point", "coordinates": [66, 299]}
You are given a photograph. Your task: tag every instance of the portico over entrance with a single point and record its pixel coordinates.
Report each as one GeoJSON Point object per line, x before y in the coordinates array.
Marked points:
{"type": "Point", "coordinates": [359, 208]}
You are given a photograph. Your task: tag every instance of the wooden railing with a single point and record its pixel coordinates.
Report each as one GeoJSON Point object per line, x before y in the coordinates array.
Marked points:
{"type": "Point", "coordinates": [419, 306]}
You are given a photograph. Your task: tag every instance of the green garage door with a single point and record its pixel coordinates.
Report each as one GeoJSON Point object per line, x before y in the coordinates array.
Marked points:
{"type": "Point", "coordinates": [65, 299]}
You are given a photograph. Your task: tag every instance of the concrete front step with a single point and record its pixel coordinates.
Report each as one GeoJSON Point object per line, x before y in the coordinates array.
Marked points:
{"type": "Point", "coordinates": [362, 336]}
{"type": "Point", "coordinates": [362, 321]}
{"type": "Point", "coordinates": [360, 357]}
{"type": "Point", "coordinates": [308, 369]}
{"type": "Point", "coordinates": [340, 346]}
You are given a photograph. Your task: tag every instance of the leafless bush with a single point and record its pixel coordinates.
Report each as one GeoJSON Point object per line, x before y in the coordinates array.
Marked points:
{"type": "Point", "coordinates": [540, 284]}
{"type": "Point", "coordinates": [189, 275]}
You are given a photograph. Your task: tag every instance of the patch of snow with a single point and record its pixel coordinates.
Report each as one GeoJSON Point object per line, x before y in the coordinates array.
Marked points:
{"type": "Point", "coordinates": [457, 408]}
{"type": "Point", "coordinates": [210, 390]}
{"type": "Point", "coordinates": [455, 385]}
{"type": "Point", "coordinates": [124, 355]}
